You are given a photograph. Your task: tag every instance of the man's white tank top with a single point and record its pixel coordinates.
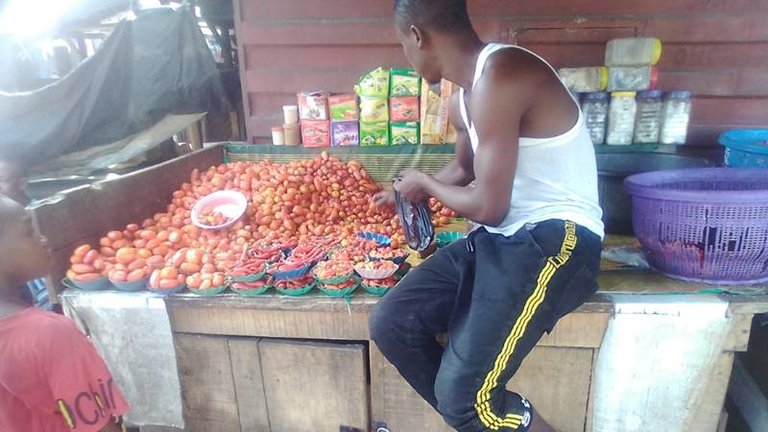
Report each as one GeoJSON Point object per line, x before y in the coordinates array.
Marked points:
{"type": "Point", "coordinates": [556, 178]}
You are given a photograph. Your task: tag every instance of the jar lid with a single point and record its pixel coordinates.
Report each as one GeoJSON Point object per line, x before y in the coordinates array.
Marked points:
{"type": "Point", "coordinates": [596, 96]}
{"type": "Point", "coordinates": [649, 94]}
{"type": "Point", "coordinates": [679, 94]}
{"type": "Point", "coordinates": [624, 94]}
{"type": "Point", "coordinates": [603, 78]}
{"type": "Point", "coordinates": [290, 107]}
{"type": "Point", "coordinates": [656, 50]}
{"type": "Point", "coordinates": [277, 129]}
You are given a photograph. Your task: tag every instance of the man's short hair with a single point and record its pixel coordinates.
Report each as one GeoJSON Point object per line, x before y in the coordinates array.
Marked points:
{"type": "Point", "coordinates": [439, 15]}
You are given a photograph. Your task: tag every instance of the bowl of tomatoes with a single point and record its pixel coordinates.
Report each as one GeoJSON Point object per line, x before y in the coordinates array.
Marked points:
{"type": "Point", "coordinates": [219, 210]}
{"type": "Point", "coordinates": [342, 289]}
{"type": "Point", "coordinates": [333, 271]}
{"type": "Point", "coordinates": [207, 284]}
{"type": "Point", "coordinates": [166, 281]}
{"type": "Point", "coordinates": [381, 269]}
{"type": "Point", "coordinates": [295, 287]}
{"type": "Point", "coordinates": [255, 288]}
{"type": "Point", "coordinates": [247, 271]}
{"type": "Point", "coordinates": [379, 287]}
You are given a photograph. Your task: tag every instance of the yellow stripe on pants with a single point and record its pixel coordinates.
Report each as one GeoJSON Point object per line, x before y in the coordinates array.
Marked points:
{"type": "Point", "coordinates": [482, 405]}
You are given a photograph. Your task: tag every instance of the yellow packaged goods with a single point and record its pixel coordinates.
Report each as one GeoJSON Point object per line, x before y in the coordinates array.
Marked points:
{"type": "Point", "coordinates": [313, 106]}
{"type": "Point", "coordinates": [435, 106]}
{"type": "Point", "coordinates": [343, 107]}
{"type": "Point", "coordinates": [404, 82]}
{"type": "Point", "coordinates": [374, 134]}
{"type": "Point", "coordinates": [373, 109]}
{"type": "Point", "coordinates": [374, 84]}
{"type": "Point", "coordinates": [404, 133]}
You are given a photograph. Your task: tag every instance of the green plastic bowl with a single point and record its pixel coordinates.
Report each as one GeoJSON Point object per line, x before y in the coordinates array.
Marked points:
{"type": "Point", "coordinates": [448, 237]}
{"type": "Point", "coordinates": [252, 293]}
{"type": "Point", "coordinates": [298, 292]}
{"type": "Point", "coordinates": [209, 292]}
{"type": "Point", "coordinates": [340, 293]}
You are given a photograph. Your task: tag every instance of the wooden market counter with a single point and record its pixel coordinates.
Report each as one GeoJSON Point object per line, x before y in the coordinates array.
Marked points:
{"type": "Point", "coordinates": [299, 364]}
{"type": "Point", "coordinates": [277, 363]}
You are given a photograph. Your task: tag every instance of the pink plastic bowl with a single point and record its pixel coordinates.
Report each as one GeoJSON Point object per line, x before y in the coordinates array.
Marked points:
{"type": "Point", "coordinates": [231, 204]}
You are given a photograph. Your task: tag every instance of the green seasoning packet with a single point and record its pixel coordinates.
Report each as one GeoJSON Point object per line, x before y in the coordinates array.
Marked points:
{"type": "Point", "coordinates": [374, 84]}
{"type": "Point", "coordinates": [404, 133]}
{"type": "Point", "coordinates": [374, 134]}
{"type": "Point", "coordinates": [404, 82]}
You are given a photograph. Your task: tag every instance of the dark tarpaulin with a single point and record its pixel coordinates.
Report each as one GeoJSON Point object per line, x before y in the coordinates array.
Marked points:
{"type": "Point", "coordinates": [156, 65]}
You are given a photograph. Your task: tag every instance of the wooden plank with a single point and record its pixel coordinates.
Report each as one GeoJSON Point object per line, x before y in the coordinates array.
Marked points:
{"type": "Point", "coordinates": [249, 386]}
{"type": "Point", "coordinates": [729, 110]}
{"type": "Point", "coordinates": [742, 82]}
{"type": "Point", "coordinates": [738, 336]}
{"type": "Point", "coordinates": [314, 386]}
{"type": "Point", "coordinates": [578, 330]}
{"type": "Point", "coordinates": [295, 324]}
{"type": "Point", "coordinates": [92, 210]}
{"type": "Point", "coordinates": [706, 415]}
{"type": "Point", "coordinates": [588, 423]}
{"type": "Point", "coordinates": [207, 389]}
{"type": "Point", "coordinates": [303, 57]}
{"type": "Point", "coordinates": [557, 382]}
{"type": "Point", "coordinates": [344, 10]}
{"type": "Point", "coordinates": [394, 402]}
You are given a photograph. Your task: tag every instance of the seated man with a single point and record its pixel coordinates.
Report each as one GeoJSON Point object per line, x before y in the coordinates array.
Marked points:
{"type": "Point", "coordinates": [51, 377]}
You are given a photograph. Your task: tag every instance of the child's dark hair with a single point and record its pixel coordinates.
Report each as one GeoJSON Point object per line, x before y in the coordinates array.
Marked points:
{"type": "Point", "coordinates": [439, 15]}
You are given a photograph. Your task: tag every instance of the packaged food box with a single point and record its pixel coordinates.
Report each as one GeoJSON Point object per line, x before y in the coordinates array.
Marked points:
{"type": "Point", "coordinates": [374, 109]}
{"type": "Point", "coordinates": [435, 107]}
{"type": "Point", "coordinates": [313, 106]}
{"type": "Point", "coordinates": [374, 84]}
{"type": "Point", "coordinates": [404, 133]}
{"type": "Point", "coordinates": [344, 107]}
{"type": "Point", "coordinates": [316, 133]}
{"type": "Point", "coordinates": [345, 133]}
{"type": "Point", "coordinates": [404, 109]}
{"type": "Point", "coordinates": [404, 82]}
{"type": "Point", "coordinates": [374, 134]}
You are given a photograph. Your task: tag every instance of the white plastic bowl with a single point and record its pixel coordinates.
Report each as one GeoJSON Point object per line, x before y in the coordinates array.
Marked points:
{"type": "Point", "coordinates": [231, 204]}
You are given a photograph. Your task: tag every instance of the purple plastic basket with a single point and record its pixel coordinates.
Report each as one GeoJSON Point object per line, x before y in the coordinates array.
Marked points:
{"type": "Point", "coordinates": [705, 225]}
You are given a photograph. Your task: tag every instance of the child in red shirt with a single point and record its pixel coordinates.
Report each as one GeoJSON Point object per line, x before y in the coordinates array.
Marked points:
{"type": "Point", "coordinates": [51, 377]}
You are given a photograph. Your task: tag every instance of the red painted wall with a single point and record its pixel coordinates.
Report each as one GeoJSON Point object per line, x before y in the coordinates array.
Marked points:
{"type": "Point", "coordinates": [716, 48]}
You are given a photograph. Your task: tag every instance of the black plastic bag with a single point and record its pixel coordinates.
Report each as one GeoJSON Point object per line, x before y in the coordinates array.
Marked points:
{"type": "Point", "coordinates": [416, 219]}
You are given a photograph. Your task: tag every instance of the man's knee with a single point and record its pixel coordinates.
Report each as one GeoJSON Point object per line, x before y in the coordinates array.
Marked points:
{"type": "Point", "coordinates": [458, 404]}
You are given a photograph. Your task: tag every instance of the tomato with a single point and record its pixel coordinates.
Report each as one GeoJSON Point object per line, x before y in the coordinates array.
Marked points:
{"type": "Point", "coordinates": [169, 273]}
{"type": "Point", "coordinates": [107, 252]}
{"type": "Point", "coordinates": [83, 268]}
{"type": "Point", "coordinates": [147, 234]}
{"type": "Point", "coordinates": [125, 255]}
{"type": "Point", "coordinates": [87, 277]}
{"type": "Point", "coordinates": [136, 275]}
{"type": "Point", "coordinates": [115, 235]}
{"type": "Point", "coordinates": [189, 268]}
{"type": "Point", "coordinates": [82, 250]}
{"type": "Point", "coordinates": [179, 257]}
{"type": "Point", "coordinates": [118, 276]}
{"type": "Point", "coordinates": [154, 279]}
{"type": "Point", "coordinates": [169, 284]}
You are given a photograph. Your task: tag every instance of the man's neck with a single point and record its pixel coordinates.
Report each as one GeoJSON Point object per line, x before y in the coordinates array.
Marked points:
{"type": "Point", "coordinates": [12, 299]}
{"type": "Point", "coordinates": [459, 58]}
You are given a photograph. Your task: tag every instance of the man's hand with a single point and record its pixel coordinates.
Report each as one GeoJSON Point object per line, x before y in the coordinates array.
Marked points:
{"type": "Point", "coordinates": [412, 184]}
{"type": "Point", "coordinates": [384, 199]}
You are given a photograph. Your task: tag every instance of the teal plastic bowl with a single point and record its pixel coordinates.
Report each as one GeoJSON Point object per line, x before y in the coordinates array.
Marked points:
{"type": "Point", "coordinates": [209, 292]}
{"type": "Point", "coordinates": [445, 238]}
{"type": "Point", "coordinates": [96, 285]}
{"type": "Point", "coordinates": [340, 293]}
{"type": "Point", "coordinates": [131, 286]}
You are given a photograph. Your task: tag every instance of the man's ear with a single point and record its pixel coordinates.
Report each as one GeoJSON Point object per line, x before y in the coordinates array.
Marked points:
{"type": "Point", "coordinates": [417, 35]}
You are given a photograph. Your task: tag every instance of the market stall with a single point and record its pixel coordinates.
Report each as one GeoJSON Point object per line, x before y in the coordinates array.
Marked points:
{"type": "Point", "coordinates": [274, 361]}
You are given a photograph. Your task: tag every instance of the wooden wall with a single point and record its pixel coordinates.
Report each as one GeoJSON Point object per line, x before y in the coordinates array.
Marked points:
{"type": "Point", "coordinates": [716, 48]}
